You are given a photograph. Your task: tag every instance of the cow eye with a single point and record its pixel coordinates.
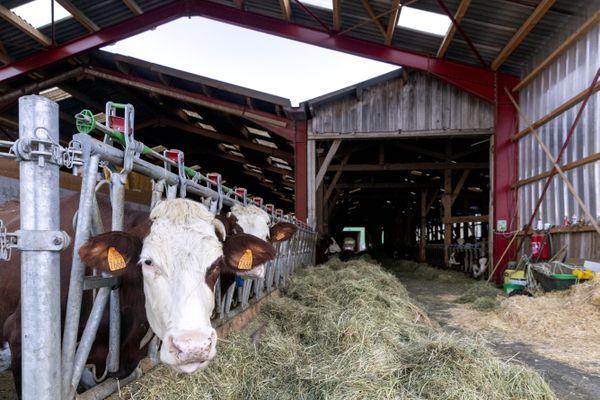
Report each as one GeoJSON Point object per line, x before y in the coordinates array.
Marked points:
{"type": "Point", "coordinates": [147, 261]}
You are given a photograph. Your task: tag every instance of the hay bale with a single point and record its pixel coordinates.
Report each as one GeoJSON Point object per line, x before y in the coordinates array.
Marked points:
{"type": "Point", "coordinates": [348, 331]}
{"type": "Point", "coordinates": [486, 303]}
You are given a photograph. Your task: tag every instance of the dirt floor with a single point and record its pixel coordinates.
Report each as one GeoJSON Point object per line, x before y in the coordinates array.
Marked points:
{"type": "Point", "coordinates": [7, 388]}
{"type": "Point", "coordinates": [438, 297]}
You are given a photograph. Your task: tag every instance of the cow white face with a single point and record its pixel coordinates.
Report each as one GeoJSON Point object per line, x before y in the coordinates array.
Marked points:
{"type": "Point", "coordinates": [181, 258]}
{"type": "Point", "coordinates": [176, 260]}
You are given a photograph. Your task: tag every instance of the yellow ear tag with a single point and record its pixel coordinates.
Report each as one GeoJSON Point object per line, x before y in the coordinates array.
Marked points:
{"type": "Point", "coordinates": [279, 236]}
{"type": "Point", "coordinates": [245, 260]}
{"type": "Point", "coordinates": [115, 259]}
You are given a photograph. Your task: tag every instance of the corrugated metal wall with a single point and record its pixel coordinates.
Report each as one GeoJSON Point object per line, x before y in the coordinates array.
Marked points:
{"type": "Point", "coordinates": [567, 76]}
{"type": "Point", "coordinates": [419, 103]}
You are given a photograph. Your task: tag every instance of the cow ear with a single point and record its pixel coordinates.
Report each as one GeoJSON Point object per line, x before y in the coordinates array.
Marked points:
{"type": "Point", "coordinates": [111, 252]}
{"type": "Point", "coordinates": [282, 231]}
{"type": "Point", "coordinates": [244, 252]}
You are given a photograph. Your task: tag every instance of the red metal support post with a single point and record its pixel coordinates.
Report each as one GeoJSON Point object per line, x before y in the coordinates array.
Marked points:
{"type": "Point", "coordinates": [300, 171]}
{"type": "Point", "coordinates": [505, 172]}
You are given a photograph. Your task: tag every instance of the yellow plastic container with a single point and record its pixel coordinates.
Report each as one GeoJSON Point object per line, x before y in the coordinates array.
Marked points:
{"type": "Point", "coordinates": [585, 274]}
{"type": "Point", "coordinates": [514, 275]}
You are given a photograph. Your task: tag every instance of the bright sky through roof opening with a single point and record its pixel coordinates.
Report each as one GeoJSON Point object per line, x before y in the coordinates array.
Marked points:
{"type": "Point", "coordinates": [424, 21]}
{"type": "Point", "coordinates": [38, 13]}
{"type": "Point", "coordinates": [251, 59]}
{"type": "Point", "coordinates": [328, 4]}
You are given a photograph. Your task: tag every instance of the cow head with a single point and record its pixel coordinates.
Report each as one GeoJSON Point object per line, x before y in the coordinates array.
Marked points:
{"type": "Point", "coordinates": [255, 221]}
{"type": "Point", "coordinates": [181, 258]}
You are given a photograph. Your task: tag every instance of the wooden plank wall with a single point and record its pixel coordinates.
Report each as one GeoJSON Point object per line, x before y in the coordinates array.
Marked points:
{"type": "Point", "coordinates": [414, 102]}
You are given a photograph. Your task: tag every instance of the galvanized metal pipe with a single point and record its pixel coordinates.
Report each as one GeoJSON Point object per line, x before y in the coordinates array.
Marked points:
{"type": "Point", "coordinates": [82, 234]}
{"type": "Point", "coordinates": [117, 200]}
{"type": "Point", "coordinates": [40, 269]}
{"type": "Point", "coordinates": [87, 339]}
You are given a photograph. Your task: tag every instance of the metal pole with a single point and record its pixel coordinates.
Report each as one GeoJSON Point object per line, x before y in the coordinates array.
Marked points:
{"type": "Point", "coordinates": [40, 269]}
{"type": "Point", "coordinates": [82, 234]}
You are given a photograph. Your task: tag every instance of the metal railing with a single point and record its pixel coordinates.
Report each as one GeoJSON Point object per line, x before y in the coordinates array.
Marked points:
{"type": "Point", "coordinates": [40, 240]}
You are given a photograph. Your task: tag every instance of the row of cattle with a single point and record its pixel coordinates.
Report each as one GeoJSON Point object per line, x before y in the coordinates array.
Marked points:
{"type": "Point", "coordinates": [168, 263]}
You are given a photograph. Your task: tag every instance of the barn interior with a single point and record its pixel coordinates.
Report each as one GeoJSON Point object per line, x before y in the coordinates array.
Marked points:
{"type": "Point", "coordinates": [435, 162]}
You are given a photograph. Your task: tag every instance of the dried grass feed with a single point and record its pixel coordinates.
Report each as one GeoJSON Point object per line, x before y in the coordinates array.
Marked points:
{"type": "Point", "coordinates": [347, 330]}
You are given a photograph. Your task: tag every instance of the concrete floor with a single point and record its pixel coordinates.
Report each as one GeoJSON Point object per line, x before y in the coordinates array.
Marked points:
{"type": "Point", "coordinates": [567, 382]}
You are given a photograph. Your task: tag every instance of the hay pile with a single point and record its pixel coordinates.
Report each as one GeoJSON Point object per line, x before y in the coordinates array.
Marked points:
{"type": "Point", "coordinates": [481, 295]}
{"type": "Point", "coordinates": [416, 270]}
{"type": "Point", "coordinates": [562, 325]}
{"type": "Point", "coordinates": [347, 331]}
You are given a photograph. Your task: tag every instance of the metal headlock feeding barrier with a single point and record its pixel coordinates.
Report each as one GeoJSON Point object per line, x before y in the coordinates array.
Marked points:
{"type": "Point", "coordinates": [40, 239]}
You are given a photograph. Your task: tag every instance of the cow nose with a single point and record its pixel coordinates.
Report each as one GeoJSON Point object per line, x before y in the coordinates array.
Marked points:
{"type": "Point", "coordinates": [192, 348]}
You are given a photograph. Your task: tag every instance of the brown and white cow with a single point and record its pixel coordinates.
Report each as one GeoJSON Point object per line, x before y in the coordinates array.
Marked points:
{"type": "Point", "coordinates": [168, 266]}
{"type": "Point", "coordinates": [255, 221]}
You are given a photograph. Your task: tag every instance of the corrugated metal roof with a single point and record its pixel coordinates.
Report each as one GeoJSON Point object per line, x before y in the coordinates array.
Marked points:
{"type": "Point", "coordinates": [489, 24]}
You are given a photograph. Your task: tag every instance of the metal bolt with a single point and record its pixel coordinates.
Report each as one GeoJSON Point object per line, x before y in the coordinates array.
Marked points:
{"type": "Point", "coordinates": [57, 240]}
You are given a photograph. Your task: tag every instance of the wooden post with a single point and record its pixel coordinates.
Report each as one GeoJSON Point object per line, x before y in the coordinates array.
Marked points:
{"type": "Point", "coordinates": [424, 209]}
{"type": "Point", "coordinates": [447, 204]}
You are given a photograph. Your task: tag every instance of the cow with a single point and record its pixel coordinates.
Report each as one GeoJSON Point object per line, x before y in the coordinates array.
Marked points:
{"type": "Point", "coordinates": [168, 265]}
{"type": "Point", "coordinates": [255, 221]}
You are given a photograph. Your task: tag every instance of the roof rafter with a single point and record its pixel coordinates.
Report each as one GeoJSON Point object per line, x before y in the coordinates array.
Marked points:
{"type": "Point", "coordinates": [4, 57]}
{"type": "Point", "coordinates": [393, 21]}
{"type": "Point", "coordinates": [337, 15]}
{"type": "Point", "coordinates": [523, 31]}
{"type": "Point", "coordinates": [286, 9]}
{"type": "Point", "coordinates": [79, 16]}
{"type": "Point", "coordinates": [24, 26]}
{"type": "Point", "coordinates": [460, 12]}
{"type": "Point", "coordinates": [133, 6]}
{"type": "Point", "coordinates": [374, 18]}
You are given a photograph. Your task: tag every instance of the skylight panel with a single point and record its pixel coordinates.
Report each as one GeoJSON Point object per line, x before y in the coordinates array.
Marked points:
{"type": "Point", "coordinates": [273, 160]}
{"type": "Point", "coordinates": [208, 127]}
{"type": "Point", "coordinates": [235, 153]}
{"type": "Point", "coordinates": [327, 4]}
{"type": "Point", "coordinates": [282, 166]}
{"type": "Point", "coordinates": [424, 21]}
{"type": "Point", "coordinates": [192, 113]}
{"type": "Point", "coordinates": [228, 147]}
{"type": "Point", "coordinates": [55, 94]}
{"type": "Point", "coordinates": [258, 132]}
{"type": "Point", "coordinates": [264, 143]}
{"type": "Point", "coordinates": [38, 13]}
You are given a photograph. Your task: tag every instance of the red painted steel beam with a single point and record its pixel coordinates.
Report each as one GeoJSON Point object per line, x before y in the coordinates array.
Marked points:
{"type": "Point", "coordinates": [505, 161]}
{"type": "Point", "coordinates": [108, 35]}
{"type": "Point", "coordinates": [301, 171]}
{"type": "Point", "coordinates": [475, 80]}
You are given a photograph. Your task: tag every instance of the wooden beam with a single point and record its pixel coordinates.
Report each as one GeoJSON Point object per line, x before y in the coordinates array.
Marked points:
{"type": "Point", "coordinates": [460, 13]}
{"type": "Point", "coordinates": [286, 9]}
{"type": "Point", "coordinates": [238, 4]}
{"type": "Point", "coordinates": [4, 57]}
{"type": "Point", "coordinates": [523, 31]}
{"type": "Point", "coordinates": [467, 219]}
{"type": "Point", "coordinates": [459, 186]}
{"type": "Point", "coordinates": [447, 205]}
{"type": "Point", "coordinates": [473, 150]}
{"type": "Point", "coordinates": [578, 98]}
{"type": "Point", "coordinates": [407, 167]}
{"type": "Point", "coordinates": [241, 160]}
{"type": "Point", "coordinates": [424, 212]}
{"type": "Point", "coordinates": [24, 26]}
{"type": "Point", "coordinates": [229, 139]}
{"type": "Point", "coordinates": [337, 15]}
{"type": "Point", "coordinates": [381, 154]}
{"type": "Point", "coordinates": [392, 21]}
{"type": "Point", "coordinates": [79, 16]}
{"type": "Point", "coordinates": [83, 97]}
{"type": "Point", "coordinates": [133, 7]}
{"type": "Point", "coordinates": [323, 169]}
{"type": "Point", "coordinates": [336, 178]}
{"type": "Point", "coordinates": [374, 18]}
{"type": "Point", "coordinates": [400, 134]}
{"type": "Point", "coordinates": [586, 26]}
{"type": "Point", "coordinates": [386, 185]}
{"type": "Point", "coordinates": [565, 167]}
{"type": "Point", "coordinates": [421, 150]}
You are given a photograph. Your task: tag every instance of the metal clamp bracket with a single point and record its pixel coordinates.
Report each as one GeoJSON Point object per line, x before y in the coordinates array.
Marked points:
{"type": "Point", "coordinates": [38, 240]}
{"type": "Point", "coordinates": [44, 150]}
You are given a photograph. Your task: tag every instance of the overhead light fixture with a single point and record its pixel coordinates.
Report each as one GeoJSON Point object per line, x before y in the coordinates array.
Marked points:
{"type": "Point", "coordinates": [354, 190]}
{"type": "Point", "coordinates": [475, 189]}
{"type": "Point", "coordinates": [258, 132]}
{"type": "Point", "coordinates": [415, 172]}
